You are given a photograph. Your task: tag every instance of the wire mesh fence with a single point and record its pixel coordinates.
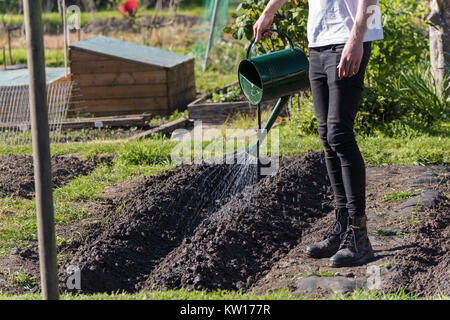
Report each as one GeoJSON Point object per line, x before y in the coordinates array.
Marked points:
{"type": "Point", "coordinates": [15, 120]}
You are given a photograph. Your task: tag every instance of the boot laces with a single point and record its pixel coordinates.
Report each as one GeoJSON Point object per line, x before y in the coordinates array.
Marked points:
{"type": "Point", "coordinates": [334, 229]}
{"type": "Point", "coordinates": [349, 238]}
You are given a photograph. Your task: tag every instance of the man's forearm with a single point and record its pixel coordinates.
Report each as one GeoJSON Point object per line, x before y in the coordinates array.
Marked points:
{"type": "Point", "coordinates": [363, 14]}
{"type": "Point", "coordinates": [273, 6]}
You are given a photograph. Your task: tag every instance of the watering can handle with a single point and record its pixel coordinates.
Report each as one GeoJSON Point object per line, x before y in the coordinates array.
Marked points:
{"type": "Point", "coordinates": [249, 50]}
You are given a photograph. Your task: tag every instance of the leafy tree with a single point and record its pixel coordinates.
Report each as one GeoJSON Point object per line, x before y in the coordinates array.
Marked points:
{"type": "Point", "coordinates": [291, 19]}
{"type": "Point", "coordinates": [405, 47]}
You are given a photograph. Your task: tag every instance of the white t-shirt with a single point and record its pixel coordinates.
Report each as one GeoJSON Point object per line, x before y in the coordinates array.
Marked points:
{"type": "Point", "coordinates": [330, 22]}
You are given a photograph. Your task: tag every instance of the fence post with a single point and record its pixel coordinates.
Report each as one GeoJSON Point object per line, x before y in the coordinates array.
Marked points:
{"type": "Point", "coordinates": [41, 149]}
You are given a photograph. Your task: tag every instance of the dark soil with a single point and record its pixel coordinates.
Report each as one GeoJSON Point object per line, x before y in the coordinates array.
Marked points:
{"type": "Point", "coordinates": [425, 263]}
{"type": "Point", "coordinates": [175, 233]}
{"type": "Point", "coordinates": [411, 249]}
{"type": "Point", "coordinates": [17, 172]}
{"type": "Point", "coordinates": [242, 240]}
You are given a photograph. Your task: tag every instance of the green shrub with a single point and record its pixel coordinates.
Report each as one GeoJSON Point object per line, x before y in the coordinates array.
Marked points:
{"type": "Point", "coordinates": [291, 19]}
{"type": "Point", "coordinates": [302, 117]}
{"type": "Point", "coordinates": [230, 94]}
{"type": "Point", "coordinates": [398, 85]}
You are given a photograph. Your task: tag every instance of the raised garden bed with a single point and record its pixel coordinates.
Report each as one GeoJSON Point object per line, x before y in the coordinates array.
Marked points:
{"type": "Point", "coordinates": [219, 112]}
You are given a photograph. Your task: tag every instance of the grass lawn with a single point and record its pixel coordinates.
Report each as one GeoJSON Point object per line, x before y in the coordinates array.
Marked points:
{"type": "Point", "coordinates": [225, 295]}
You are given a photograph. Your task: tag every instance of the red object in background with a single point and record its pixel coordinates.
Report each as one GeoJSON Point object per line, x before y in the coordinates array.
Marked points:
{"type": "Point", "coordinates": [130, 7]}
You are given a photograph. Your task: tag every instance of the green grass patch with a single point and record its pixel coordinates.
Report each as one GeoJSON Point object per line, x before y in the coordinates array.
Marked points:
{"type": "Point", "coordinates": [23, 279]}
{"type": "Point", "coordinates": [397, 195]}
{"type": "Point", "coordinates": [390, 233]}
{"type": "Point", "coordinates": [283, 294]}
{"type": "Point", "coordinates": [53, 58]}
{"type": "Point", "coordinates": [318, 273]}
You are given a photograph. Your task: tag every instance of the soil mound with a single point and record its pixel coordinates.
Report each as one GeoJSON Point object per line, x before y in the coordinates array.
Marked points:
{"type": "Point", "coordinates": [425, 263]}
{"type": "Point", "coordinates": [239, 243]}
{"type": "Point", "coordinates": [195, 227]}
{"type": "Point", "coordinates": [17, 172]}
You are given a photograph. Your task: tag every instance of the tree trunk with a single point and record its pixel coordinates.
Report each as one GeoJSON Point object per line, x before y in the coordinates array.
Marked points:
{"type": "Point", "coordinates": [439, 24]}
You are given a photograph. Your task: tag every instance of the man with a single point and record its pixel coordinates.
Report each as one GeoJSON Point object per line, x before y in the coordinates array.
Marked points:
{"type": "Point", "coordinates": [340, 33]}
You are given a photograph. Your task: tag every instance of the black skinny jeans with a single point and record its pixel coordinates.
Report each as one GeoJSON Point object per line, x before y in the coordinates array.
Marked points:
{"type": "Point", "coordinates": [336, 102]}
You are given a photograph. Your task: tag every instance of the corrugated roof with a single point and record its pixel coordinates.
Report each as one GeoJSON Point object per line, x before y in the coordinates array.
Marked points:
{"type": "Point", "coordinates": [131, 51]}
{"type": "Point", "coordinates": [10, 78]}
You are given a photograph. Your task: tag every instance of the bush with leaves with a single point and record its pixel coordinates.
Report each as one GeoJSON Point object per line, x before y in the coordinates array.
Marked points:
{"type": "Point", "coordinates": [291, 19]}
{"type": "Point", "coordinates": [390, 91]}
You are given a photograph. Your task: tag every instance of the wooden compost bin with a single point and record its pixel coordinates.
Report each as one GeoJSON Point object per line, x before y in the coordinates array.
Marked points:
{"type": "Point", "coordinates": [115, 77]}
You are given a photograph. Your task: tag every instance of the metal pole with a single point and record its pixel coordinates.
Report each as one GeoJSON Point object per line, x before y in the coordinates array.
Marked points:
{"type": "Point", "coordinates": [11, 62]}
{"type": "Point", "coordinates": [258, 169]}
{"type": "Point", "coordinates": [211, 33]}
{"type": "Point", "coordinates": [4, 58]}
{"type": "Point", "coordinates": [65, 35]}
{"type": "Point", "coordinates": [41, 149]}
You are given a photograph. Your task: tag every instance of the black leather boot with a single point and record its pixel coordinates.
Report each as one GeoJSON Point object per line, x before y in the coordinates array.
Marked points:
{"type": "Point", "coordinates": [355, 248]}
{"type": "Point", "coordinates": [332, 239]}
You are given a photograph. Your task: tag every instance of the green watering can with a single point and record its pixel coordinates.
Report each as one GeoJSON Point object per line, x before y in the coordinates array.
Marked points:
{"type": "Point", "coordinates": [274, 75]}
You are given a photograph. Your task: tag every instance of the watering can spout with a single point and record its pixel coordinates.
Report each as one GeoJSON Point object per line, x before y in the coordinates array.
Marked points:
{"type": "Point", "coordinates": [270, 121]}
{"type": "Point", "coordinates": [276, 75]}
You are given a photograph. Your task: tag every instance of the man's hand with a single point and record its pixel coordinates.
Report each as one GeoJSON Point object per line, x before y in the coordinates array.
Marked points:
{"type": "Point", "coordinates": [353, 49]}
{"type": "Point", "coordinates": [265, 20]}
{"type": "Point", "coordinates": [350, 59]}
{"type": "Point", "coordinates": [263, 23]}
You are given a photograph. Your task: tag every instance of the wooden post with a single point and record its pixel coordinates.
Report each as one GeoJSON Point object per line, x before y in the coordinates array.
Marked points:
{"type": "Point", "coordinates": [41, 149]}
{"type": "Point", "coordinates": [65, 35]}
{"type": "Point", "coordinates": [8, 31]}
{"type": "Point", "coordinates": [439, 29]}
{"type": "Point", "coordinates": [4, 58]}
{"type": "Point", "coordinates": [211, 33]}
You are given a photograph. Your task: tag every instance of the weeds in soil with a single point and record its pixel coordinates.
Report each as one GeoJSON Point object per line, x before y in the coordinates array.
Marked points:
{"type": "Point", "coordinates": [23, 280]}
{"type": "Point", "coordinates": [392, 233]}
{"type": "Point", "coordinates": [316, 272]}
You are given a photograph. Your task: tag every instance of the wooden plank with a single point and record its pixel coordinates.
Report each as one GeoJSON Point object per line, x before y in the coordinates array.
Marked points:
{"type": "Point", "coordinates": [117, 91]}
{"type": "Point", "coordinates": [182, 76]}
{"type": "Point", "coordinates": [118, 58]}
{"type": "Point", "coordinates": [119, 107]}
{"type": "Point", "coordinates": [116, 109]}
{"type": "Point", "coordinates": [180, 100]}
{"type": "Point", "coordinates": [216, 113]}
{"type": "Point", "coordinates": [117, 113]}
{"type": "Point", "coordinates": [116, 121]}
{"type": "Point", "coordinates": [109, 66]}
{"type": "Point", "coordinates": [120, 78]}
{"type": "Point", "coordinates": [165, 128]}
{"type": "Point", "coordinates": [80, 56]}
{"type": "Point", "coordinates": [161, 102]}
{"type": "Point", "coordinates": [136, 121]}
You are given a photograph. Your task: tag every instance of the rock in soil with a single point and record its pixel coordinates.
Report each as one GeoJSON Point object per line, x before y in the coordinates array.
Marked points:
{"type": "Point", "coordinates": [427, 199]}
